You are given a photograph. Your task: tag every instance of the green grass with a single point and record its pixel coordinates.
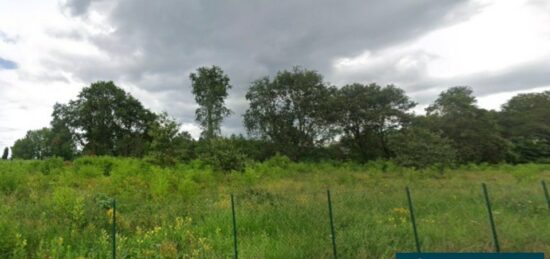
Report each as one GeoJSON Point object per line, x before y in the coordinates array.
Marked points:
{"type": "Point", "coordinates": [49, 209]}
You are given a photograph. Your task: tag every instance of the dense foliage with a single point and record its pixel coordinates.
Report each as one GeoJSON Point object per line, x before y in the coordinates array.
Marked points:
{"type": "Point", "coordinates": [106, 120]}
{"type": "Point", "coordinates": [292, 111]}
{"type": "Point", "coordinates": [210, 87]}
{"type": "Point", "coordinates": [298, 114]}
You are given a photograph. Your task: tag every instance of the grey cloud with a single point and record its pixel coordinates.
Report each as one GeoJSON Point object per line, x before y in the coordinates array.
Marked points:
{"type": "Point", "coordinates": [268, 34]}
{"type": "Point", "coordinates": [388, 69]}
{"type": "Point", "coordinates": [402, 69]}
{"type": "Point", "coordinates": [77, 7]}
{"type": "Point", "coordinates": [520, 77]}
{"type": "Point", "coordinates": [156, 44]}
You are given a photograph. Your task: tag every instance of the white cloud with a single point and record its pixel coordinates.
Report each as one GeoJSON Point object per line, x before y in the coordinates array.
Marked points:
{"type": "Point", "coordinates": [504, 33]}
{"type": "Point", "coordinates": [495, 101]}
{"type": "Point", "coordinates": [500, 48]}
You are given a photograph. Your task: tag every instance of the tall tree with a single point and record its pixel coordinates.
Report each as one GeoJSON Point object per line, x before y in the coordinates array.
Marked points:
{"type": "Point", "coordinates": [168, 144]}
{"type": "Point", "coordinates": [62, 142]}
{"type": "Point", "coordinates": [6, 153]}
{"type": "Point", "coordinates": [368, 114]}
{"type": "Point", "coordinates": [210, 86]}
{"type": "Point", "coordinates": [35, 145]}
{"type": "Point", "coordinates": [525, 121]}
{"type": "Point", "coordinates": [105, 120]}
{"type": "Point", "coordinates": [474, 132]}
{"type": "Point", "coordinates": [290, 111]}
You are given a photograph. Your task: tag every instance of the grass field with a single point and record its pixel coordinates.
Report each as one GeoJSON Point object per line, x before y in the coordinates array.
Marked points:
{"type": "Point", "coordinates": [52, 209]}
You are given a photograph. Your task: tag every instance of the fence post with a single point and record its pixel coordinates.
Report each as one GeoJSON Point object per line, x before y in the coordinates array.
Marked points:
{"type": "Point", "coordinates": [234, 228]}
{"type": "Point", "coordinates": [546, 194]}
{"type": "Point", "coordinates": [491, 220]}
{"type": "Point", "coordinates": [113, 234]}
{"type": "Point", "coordinates": [332, 232]}
{"type": "Point", "coordinates": [413, 220]}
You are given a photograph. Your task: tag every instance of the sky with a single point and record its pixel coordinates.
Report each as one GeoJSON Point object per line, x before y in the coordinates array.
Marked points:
{"type": "Point", "coordinates": [51, 49]}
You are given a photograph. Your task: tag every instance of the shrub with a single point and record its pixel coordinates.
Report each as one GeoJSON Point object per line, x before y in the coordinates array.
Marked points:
{"type": "Point", "coordinates": [9, 181]}
{"type": "Point", "coordinates": [420, 148]}
{"type": "Point", "coordinates": [102, 165]}
{"type": "Point", "coordinates": [222, 155]}
{"type": "Point", "coordinates": [50, 165]}
{"type": "Point", "coordinates": [187, 188]}
{"type": "Point", "coordinates": [7, 238]}
{"type": "Point", "coordinates": [160, 184]}
{"type": "Point", "coordinates": [278, 160]}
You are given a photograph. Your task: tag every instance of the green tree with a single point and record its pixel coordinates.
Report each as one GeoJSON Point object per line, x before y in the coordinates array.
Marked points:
{"type": "Point", "coordinates": [210, 87]}
{"type": "Point", "coordinates": [525, 121]}
{"type": "Point", "coordinates": [6, 153]}
{"type": "Point", "coordinates": [292, 111]}
{"type": "Point", "coordinates": [222, 154]}
{"type": "Point", "coordinates": [105, 120]}
{"type": "Point", "coordinates": [62, 143]}
{"type": "Point", "coordinates": [35, 145]}
{"type": "Point", "coordinates": [420, 148]}
{"type": "Point", "coordinates": [367, 114]}
{"type": "Point", "coordinates": [255, 149]}
{"type": "Point", "coordinates": [168, 144]}
{"type": "Point", "coordinates": [474, 132]}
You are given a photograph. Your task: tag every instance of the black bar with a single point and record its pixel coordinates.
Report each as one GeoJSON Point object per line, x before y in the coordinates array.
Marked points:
{"type": "Point", "coordinates": [491, 220]}
{"type": "Point", "coordinates": [546, 194]}
{"type": "Point", "coordinates": [114, 229]}
{"type": "Point", "coordinates": [332, 232]}
{"type": "Point", "coordinates": [234, 228]}
{"type": "Point", "coordinates": [413, 220]}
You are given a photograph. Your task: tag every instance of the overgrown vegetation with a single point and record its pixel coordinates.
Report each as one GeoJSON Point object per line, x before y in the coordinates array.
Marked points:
{"type": "Point", "coordinates": [299, 115]}
{"type": "Point", "coordinates": [55, 209]}
{"type": "Point", "coordinates": [304, 135]}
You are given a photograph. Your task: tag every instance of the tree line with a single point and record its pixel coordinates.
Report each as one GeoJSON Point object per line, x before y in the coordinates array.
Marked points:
{"type": "Point", "coordinates": [299, 115]}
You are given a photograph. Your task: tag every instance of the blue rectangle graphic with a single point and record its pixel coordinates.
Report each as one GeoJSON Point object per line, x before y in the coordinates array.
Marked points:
{"type": "Point", "coordinates": [469, 255]}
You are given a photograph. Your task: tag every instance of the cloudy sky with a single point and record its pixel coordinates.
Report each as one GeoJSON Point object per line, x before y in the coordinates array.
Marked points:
{"type": "Point", "coordinates": [50, 49]}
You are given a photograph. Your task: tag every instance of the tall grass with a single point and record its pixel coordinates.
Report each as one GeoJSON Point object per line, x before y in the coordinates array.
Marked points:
{"type": "Point", "coordinates": [52, 209]}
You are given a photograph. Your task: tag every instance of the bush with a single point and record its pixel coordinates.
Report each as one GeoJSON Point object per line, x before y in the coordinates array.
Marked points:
{"type": "Point", "coordinates": [7, 238]}
{"type": "Point", "coordinates": [103, 165]}
{"type": "Point", "coordinates": [420, 148]}
{"type": "Point", "coordinates": [279, 161]}
{"type": "Point", "coordinates": [9, 181]}
{"type": "Point", "coordinates": [222, 155]}
{"type": "Point", "coordinates": [50, 165]}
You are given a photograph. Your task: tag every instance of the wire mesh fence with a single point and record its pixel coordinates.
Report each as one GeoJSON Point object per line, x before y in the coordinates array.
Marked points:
{"type": "Point", "coordinates": [334, 223]}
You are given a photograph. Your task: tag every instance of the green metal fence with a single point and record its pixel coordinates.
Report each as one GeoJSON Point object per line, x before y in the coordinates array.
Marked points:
{"type": "Point", "coordinates": [331, 217]}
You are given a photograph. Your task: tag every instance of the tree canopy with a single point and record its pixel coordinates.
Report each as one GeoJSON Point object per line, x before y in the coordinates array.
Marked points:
{"type": "Point", "coordinates": [525, 120]}
{"type": "Point", "coordinates": [474, 132]}
{"type": "Point", "coordinates": [298, 114]}
{"type": "Point", "coordinates": [35, 145]}
{"type": "Point", "coordinates": [105, 120]}
{"type": "Point", "coordinates": [6, 153]}
{"type": "Point", "coordinates": [210, 86]}
{"type": "Point", "coordinates": [367, 114]}
{"type": "Point", "coordinates": [291, 111]}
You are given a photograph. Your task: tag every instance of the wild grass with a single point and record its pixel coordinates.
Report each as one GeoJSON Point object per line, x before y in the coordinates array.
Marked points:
{"type": "Point", "coordinates": [52, 209]}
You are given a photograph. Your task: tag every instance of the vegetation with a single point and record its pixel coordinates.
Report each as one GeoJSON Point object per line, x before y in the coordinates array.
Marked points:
{"type": "Point", "coordinates": [35, 145]}
{"type": "Point", "coordinates": [210, 87]}
{"type": "Point", "coordinates": [6, 153]}
{"type": "Point", "coordinates": [299, 115]}
{"type": "Point", "coordinates": [52, 209]}
{"type": "Point", "coordinates": [292, 111]}
{"type": "Point", "coordinates": [304, 136]}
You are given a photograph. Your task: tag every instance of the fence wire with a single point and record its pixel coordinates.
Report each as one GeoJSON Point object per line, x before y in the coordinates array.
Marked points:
{"type": "Point", "coordinates": [370, 221]}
